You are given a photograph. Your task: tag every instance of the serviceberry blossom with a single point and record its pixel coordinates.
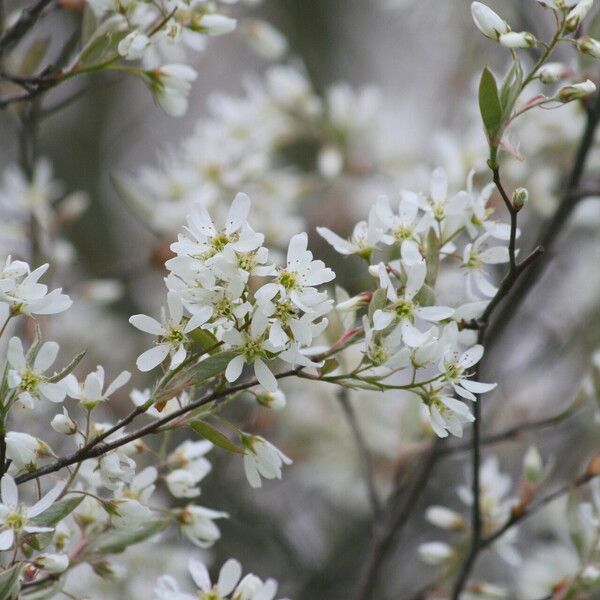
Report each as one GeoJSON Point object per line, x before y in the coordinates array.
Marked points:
{"type": "Point", "coordinates": [16, 518]}
{"type": "Point", "coordinates": [90, 392]}
{"type": "Point", "coordinates": [262, 459]}
{"type": "Point", "coordinates": [29, 381]}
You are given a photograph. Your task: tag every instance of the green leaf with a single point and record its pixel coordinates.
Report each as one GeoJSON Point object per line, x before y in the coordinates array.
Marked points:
{"type": "Point", "coordinates": [212, 434]}
{"type": "Point", "coordinates": [205, 339]}
{"type": "Point", "coordinates": [115, 541]}
{"type": "Point", "coordinates": [33, 56]}
{"type": "Point", "coordinates": [426, 296]}
{"type": "Point", "coordinates": [378, 301]}
{"type": "Point", "coordinates": [213, 365]}
{"type": "Point", "coordinates": [432, 256]}
{"type": "Point", "coordinates": [68, 369]}
{"type": "Point", "coordinates": [9, 583]}
{"type": "Point", "coordinates": [58, 511]}
{"type": "Point", "coordinates": [102, 46]}
{"type": "Point", "coordinates": [489, 104]}
{"type": "Point", "coordinates": [331, 364]}
{"type": "Point", "coordinates": [511, 88]}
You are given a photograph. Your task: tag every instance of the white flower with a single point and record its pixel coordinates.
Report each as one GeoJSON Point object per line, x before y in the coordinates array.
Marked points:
{"type": "Point", "coordinates": [475, 257]}
{"type": "Point", "coordinates": [487, 21]}
{"type": "Point", "coordinates": [133, 45]}
{"type": "Point", "coordinates": [115, 469]}
{"type": "Point", "coordinates": [171, 85]}
{"type": "Point", "coordinates": [28, 297]}
{"type": "Point", "coordinates": [364, 239]}
{"type": "Point", "coordinates": [253, 588]}
{"type": "Point", "coordinates": [16, 518]}
{"type": "Point", "coordinates": [298, 278]}
{"type": "Point", "coordinates": [24, 449]}
{"type": "Point", "coordinates": [454, 369]}
{"type": "Point", "coordinates": [253, 347]}
{"type": "Point", "coordinates": [403, 310]}
{"type": "Point", "coordinates": [262, 459]}
{"type": "Point", "coordinates": [29, 381]}
{"type": "Point", "coordinates": [446, 413]}
{"type": "Point", "coordinates": [229, 575]}
{"type": "Point", "coordinates": [588, 45]}
{"type": "Point", "coordinates": [90, 392]}
{"type": "Point", "coordinates": [172, 333]}
{"type": "Point", "coordinates": [197, 524]}
{"type": "Point", "coordinates": [578, 13]}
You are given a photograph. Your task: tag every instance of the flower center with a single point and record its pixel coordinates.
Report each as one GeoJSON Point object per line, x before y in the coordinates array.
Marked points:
{"type": "Point", "coordinates": [288, 280]}
{"type": "Point", "coordinates": [253, 349]}
{"type": "Point", "coordinates": [15, 520]}
{"type": "Point", "coordinates": [30, 381]}
{"type": "Point", "coordinates": [403, 309]}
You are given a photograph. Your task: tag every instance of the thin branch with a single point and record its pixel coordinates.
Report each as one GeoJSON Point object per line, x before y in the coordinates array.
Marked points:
{"type": "Point", "coordinates": [514, 271]}
{"type": "Point", "coordinates": [392, 521]}
{"type": "Point", "coordinates": [547, 239]}
{"type": "Point", "coordinates": [86, 453]}
{"type": "Point", "coordinates": [23, 24]}
{"type": "Point", "coordinates": [365, 455]}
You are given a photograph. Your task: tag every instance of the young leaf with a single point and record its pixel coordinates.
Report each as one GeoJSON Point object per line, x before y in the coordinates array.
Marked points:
{"type": "Point", "coordinates": [489, 104]}
{"type": "Point", "coordinates": [58, 511]}
{"type": "Point", "coordinates": [68, 369]}
{"type": "Point", "coordinates": [511, 88]}
{"type": "Point", "coordinates": [205, 339]}
{"type": "Point", "coordinates": [116, 541]}
{"type": "Point", "coordinates": [211, 366]}
{"type": "Point", "coordinates": [213, 435]}
{"type": "Point", "coordinates": [9, 583]}
{"type": "Point", "coordinates": [378, 301]}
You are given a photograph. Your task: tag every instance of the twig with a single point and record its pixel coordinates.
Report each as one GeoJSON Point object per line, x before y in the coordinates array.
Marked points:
{"type": "Point", "coordinates": [548, 237]}
{"type": "Point", "coordinates": [392, 522]}
{"type": "Point", "coordinates": [362, 449]}
{"type": "Point", "coordinates": [514, 271]}
{"type": "Point", "coordinates": [26, 19]}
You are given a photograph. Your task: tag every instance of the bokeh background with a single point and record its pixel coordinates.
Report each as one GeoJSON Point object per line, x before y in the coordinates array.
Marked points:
{"type": "Point", "coordinates": [312, 531]}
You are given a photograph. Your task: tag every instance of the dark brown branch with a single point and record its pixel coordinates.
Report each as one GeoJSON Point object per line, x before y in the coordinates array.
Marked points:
{"type": "Point", "coordinates": [547, 239]}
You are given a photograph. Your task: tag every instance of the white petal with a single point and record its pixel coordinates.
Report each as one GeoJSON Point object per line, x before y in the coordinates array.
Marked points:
{"type": "Point", "coordinates": [7, 539]}
{"type": "Point", "coordinates": [53, 392]}
{"type": "Point", "coordinates": [45, 357]}
{"type": "Point", "coordinates": [471, 356]}
{"type": "Point", "coordinates": [477, 387]}
{"type": "Point", "coordinates": [15, 355]}
{"type": "Point", "coordinates": [229, 575]}
{"type": "Point", "coordinates": [434, 313]}
{"type": "Point", "coordinates": [199, 574]}
{"type": "Point", "coordinates": [264, 376]}
{"type": "Point", "coordinates": [121, 379]}
{"type": "Point", "coordinates": [152, 358]}
{"type": "Point", "coordinates": [238, 213]}
{"type": "Point", "coordinates": [147, 324]}
{"type": "Point", "coordinates": [439, 185]}
{"type": "Point", "coordinates": [297, 248]}
{"type": "Point", "coordinates": [175, 307]}
{"type": "Point", "coordinates": [234, 368]}
{"type": "Point", "coordinates": [9, 491]}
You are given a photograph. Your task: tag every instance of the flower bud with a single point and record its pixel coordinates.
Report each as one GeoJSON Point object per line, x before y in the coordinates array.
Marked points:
{"type": "Point", "coordinates": [274, 400]}
{"type": "Point", "coordinates": [518, 39]}
{"type": "Point", "coordinates": [435, 553]}
{"type": "Point", "coordinates": [217, 24]}
{"type": "Point", "coordinates": [330, 162]}
{"type": "Point", "coordinates": [444, 518]}
{"type": "Point", "coordinates": [520, 198]}
{"type": "Point", "coordinates": [588, 45]}
{"type": "Point", "coordinates": [359, 301]}
{"type": "Point", "coordinates": [62, 423]}
{"type": "Point", "coordinates": [577, 14]}
{"type": "Point", "coordinates": [374, 271]}
{"type": "Point", "coordinates": [576, 91]}
{"type": "Point", "coordinates": [53, 563]}
{"type": "Point", "coordinates": [266, 41]}
{"type": "Point", "coordinates": [533, 466]}
{"type": "Point", "coordinates": [487, 21]}
{"type": "Point", "coordinates": [552, 72]}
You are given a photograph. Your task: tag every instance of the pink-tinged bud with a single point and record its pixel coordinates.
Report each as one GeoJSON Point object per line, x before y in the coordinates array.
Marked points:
{"type": "Point", "coordinates": [488, 22]}
{"type": "Point", "coordinates": [576, 91]}
{"type": "Point", "coordinates": [358, 301]}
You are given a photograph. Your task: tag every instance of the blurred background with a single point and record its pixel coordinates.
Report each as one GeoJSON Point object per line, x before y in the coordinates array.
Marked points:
{"type": "Point", "coordinates": [412, 69]}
